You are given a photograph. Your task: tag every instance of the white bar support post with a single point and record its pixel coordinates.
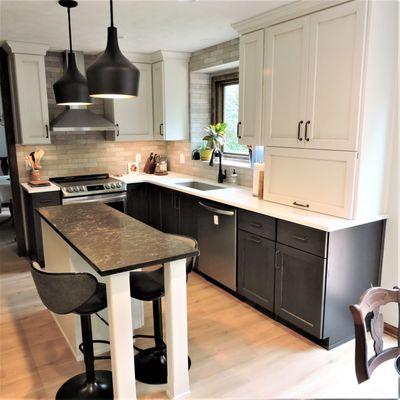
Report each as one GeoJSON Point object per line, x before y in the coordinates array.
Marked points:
{"type": "Point", "coordinates": [121, 342]}
{"type": "Point", "coordinates": [177, 330]}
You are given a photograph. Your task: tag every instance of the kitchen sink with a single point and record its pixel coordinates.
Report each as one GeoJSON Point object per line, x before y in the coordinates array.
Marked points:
{"type": "Point", "coordinates": [199, 185]}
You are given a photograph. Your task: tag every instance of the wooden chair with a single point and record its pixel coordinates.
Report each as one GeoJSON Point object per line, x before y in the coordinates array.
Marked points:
{"type": "Point", "coordinates": [369, 305]}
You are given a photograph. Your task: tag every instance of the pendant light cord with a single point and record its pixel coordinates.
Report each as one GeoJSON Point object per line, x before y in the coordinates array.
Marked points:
{"type": "Point", "coordinates": [69, 30]}
{"type": "Point", "coordinates": [111, 13]}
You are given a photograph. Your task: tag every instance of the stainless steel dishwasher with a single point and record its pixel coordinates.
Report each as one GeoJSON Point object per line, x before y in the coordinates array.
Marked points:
{"type": "Point", "coordinates": [217, 242]}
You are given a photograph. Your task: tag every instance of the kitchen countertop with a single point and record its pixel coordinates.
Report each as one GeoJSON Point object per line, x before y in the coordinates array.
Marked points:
{"type": "Point", "coordinates": [110, 241]}
{"type": "Point", "coordinates": [43, 189]}
{"type": "Point", "coordinates": [241, 197]}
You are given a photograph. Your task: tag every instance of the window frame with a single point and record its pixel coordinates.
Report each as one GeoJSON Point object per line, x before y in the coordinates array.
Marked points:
{"type": "Point", "coordinates": [218, 84]}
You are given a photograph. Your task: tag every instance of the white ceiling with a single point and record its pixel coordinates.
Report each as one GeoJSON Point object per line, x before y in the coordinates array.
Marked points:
{"type": "Point", "coordinates": [144, 26]}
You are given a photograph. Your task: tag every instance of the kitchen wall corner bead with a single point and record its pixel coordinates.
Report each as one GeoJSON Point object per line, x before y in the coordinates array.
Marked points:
{"type": "Point", "coordinates": [29, 92]}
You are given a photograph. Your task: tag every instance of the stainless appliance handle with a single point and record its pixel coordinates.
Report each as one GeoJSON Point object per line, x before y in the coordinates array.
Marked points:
{"type": "Point", "coordinates": [217, 210]}
{"type": "Point", "coordinates": [106, 198]}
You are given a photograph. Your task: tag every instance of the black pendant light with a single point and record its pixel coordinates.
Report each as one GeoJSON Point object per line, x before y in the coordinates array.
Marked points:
{"type": "Point", "coordinates": [112, 75]}
{"type": "Point", "coordinates": [72, 88]}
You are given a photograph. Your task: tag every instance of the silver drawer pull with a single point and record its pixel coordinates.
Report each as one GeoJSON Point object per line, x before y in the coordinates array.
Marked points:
{"type": "Point", "coordinates": [301, 238]}
{"type": "Point", "coordinates": [255, 240]}
{"type": "Point", "coordinates": [255, 225]}
{"type": "Point", "coordinates": [295, 203]}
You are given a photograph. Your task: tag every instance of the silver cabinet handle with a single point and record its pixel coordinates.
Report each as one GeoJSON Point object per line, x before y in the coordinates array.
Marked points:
{"type": "Point", "coordinates": [217, 210]}
{"type": "Point", "coordinates": [301, 238]}
{"type": "Point", "coordinates": [161, 129]}
{"type": "Point", "coordinates": [47, 131]}
{"type": "Point", "coordinates": [255, 240]}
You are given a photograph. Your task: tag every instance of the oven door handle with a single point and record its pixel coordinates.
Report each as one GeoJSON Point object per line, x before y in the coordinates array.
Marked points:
{"type": "Point", "coordinates": [94, 198]}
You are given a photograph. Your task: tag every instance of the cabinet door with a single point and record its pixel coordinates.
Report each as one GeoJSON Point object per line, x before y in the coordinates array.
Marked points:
{"type": "Point", "coordinates": [335, 71]}
{"type": "Point", "coordinates": [158, 100]}
{"type": "Point", "coordinates": [137, 202]}
{"type": "Point", "coordinates": [250, 88]}
{"type": "Point", "coordinates": [170, 211]}
{"type": "Point", "coordinates": [256, 260]}
{"type": "Point", "coordinates": [300, 288]}
{"type": "Point", "coordinates": [188, 209]}
{"type": "Point", "coordinates": [134, 117]}
{"type": "Point", "coordinates": [154, 204]}
{"type": "Point", "coordinates": [31, 99]}
{"type": "Point", "coordinates": [286, 63]}
{"type": "Point", "coordinates": [315, 180]}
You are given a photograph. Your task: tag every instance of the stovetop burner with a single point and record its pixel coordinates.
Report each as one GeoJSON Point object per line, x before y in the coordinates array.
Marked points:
{"type": "Point", "coordinates": [84, 185]}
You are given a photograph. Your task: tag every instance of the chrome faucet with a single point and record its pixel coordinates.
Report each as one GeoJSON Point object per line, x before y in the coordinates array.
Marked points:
{"type": "Point", "coordinates": [218, 153]}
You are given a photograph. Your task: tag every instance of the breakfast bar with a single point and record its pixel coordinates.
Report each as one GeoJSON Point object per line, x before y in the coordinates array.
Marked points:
{"type": "Point", "coordinates": [114, 244]}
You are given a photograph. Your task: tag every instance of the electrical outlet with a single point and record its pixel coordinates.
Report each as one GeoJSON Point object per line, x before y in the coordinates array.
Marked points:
{"type": "Point", "coordinates": [182, 158]}
{"type": "Point", "coordinates": [138, 158]}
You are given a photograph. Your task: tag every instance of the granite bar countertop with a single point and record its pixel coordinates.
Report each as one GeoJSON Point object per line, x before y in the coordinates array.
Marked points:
{"type": "Point", "coordinates": [110, 241]}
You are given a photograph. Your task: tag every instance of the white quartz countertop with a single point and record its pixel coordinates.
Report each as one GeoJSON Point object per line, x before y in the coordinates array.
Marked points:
{"type": "Point", "coordinates": [241, 197]}
{"type": "Point", "coordinates": [43, 189]}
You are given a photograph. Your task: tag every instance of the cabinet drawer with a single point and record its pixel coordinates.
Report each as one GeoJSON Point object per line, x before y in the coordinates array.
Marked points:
{"type": "Point", "coordinates": [302, 237]}
{"type": "Point", "coordinates": [45, 199]}
{"type": "Point", "coordinates": [257, 223]}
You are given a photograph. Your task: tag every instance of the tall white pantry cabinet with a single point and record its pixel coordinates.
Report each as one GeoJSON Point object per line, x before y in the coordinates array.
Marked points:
{"type": "Point", "coordinates": [329, 80]}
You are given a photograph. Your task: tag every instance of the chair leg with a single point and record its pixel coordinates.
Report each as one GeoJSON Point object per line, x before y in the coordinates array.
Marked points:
{"type": "Point", "coordinates": [88, 353]}
{"type": "Point", "coordinates": [157, 322]}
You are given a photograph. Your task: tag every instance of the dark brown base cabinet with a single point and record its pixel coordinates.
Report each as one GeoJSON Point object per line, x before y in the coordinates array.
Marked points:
{"type": "Point", "coordinates": [313, 276]}
{"type": "Point", "coordinates": [303, 276]}
{"type": "Point", "coordinates": [33, 223]}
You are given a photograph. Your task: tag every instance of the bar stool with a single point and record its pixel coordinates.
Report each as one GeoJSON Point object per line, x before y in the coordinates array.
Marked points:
{"type": "Point", "coordinates": [82, 294]}
{"type": "Point", "coordinates": [151, 363]}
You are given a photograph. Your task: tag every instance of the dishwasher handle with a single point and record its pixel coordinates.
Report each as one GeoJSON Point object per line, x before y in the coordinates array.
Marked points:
{"type": "Point", "coordinates": [217, 210]}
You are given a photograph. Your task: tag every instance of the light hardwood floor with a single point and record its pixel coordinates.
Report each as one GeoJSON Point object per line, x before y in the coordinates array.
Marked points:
{"type": "Point", "coordinates": [236, 352]}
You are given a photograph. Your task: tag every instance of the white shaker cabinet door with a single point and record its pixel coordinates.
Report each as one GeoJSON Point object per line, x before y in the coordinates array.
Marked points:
{"type": "Point", "coordinates": [286, 59]}
{"type": "Point", "coordinates": [335, 74]}
{"type": "Point", "coordinates": [312, 180]}
{"type": "Point", "coordinates": [158, 100]}
{"type": "Point", "coordinates": [30, 99]}
{"type": "Point", "coordinates": [250, 88]}
{"type": "Point", "coordinates": [134, 117]}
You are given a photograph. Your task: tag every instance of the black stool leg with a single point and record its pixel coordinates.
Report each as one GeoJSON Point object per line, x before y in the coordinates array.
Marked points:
{"type": "Point", "coordinates": [91, 384]}
{"type": "Point", "coordinates": [151, 364]}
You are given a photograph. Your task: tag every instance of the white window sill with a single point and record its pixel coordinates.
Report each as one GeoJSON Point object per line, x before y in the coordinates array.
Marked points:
{"type": "Point", "coordinates": [231, 163]}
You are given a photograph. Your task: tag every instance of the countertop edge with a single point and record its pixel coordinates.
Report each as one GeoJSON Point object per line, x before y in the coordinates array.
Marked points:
{"type": "Point", "coordinates": [128, 268]}
{"type": "Point", "coordinates": [43, 189]}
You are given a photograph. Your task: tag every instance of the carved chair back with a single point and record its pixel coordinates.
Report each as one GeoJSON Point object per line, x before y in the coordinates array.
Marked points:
{"type": "Point", "coordinates": [369, 304]}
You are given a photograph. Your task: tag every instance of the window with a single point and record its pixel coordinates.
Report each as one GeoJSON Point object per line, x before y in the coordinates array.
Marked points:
{"type": "Point", "coordinates": [225, 108]}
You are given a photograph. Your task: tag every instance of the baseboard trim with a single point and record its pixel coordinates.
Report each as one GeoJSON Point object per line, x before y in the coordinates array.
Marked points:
{"type": "Point", "coordinates": [391, 330]}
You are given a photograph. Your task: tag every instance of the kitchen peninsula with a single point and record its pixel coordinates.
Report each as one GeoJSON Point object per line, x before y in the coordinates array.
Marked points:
{"type": "Point", "coordinates": [112, 244]}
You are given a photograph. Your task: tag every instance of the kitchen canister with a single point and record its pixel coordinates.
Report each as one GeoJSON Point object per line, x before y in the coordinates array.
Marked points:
{"type": "Point", "coordinates": [258, 172]}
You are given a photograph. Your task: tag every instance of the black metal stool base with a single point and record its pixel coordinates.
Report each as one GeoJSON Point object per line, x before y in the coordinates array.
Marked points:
{"type": "Point", "coordinates": [151, 366]}
{"type": "Point", "coordinates": [79, 388]}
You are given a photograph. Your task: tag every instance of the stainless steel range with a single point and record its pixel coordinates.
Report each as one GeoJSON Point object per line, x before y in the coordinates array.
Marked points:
{"type": "Point", "coordinates": [96, 187]}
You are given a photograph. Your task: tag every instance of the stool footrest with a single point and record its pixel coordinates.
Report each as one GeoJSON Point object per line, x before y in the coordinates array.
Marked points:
{"type": "Point", "coordinates": [97, 357]}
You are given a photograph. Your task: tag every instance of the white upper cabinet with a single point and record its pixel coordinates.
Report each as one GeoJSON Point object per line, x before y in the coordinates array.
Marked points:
{"type": "Point", "coordinates": [286, 61]}
{"type": "Point", "coordinates": [250, 87]}
{"type": "Point", "coordinates": [171, 97]}
{"type": "Point", "coordinates": [29, 92]}
{"type": "Point", "coordinates": [335, 76]}
{"type": "Point", "coordinates": [134, 117]}
{"type": "Point", "coordinates": [314, 79]}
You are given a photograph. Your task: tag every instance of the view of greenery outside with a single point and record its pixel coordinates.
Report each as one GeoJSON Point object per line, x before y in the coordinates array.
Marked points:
{"type": "Point", "coordinates": [231, 117]}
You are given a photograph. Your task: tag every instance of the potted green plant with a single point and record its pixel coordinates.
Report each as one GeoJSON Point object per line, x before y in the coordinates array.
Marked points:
{"type": "Point", "coordinates": [213, 140]}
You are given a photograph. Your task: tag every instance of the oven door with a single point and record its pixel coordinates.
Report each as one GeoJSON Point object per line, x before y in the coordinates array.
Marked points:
{"type": "Point", "coordinates": [114, 200]}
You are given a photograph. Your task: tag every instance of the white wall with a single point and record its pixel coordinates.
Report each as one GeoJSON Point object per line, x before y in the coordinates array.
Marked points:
{"type": "Point", "coordinates": [391, 258]}
{"type": "Point", "coordinates": [3, 144]}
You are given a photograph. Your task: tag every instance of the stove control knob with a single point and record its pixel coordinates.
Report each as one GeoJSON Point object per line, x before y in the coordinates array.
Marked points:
{"type": "Point", "coordinates": [118, 184]}
{"type": "Point", "coordinates": [113, 186]}
{"type": "Point", "coordinates": [107, 186]}
{"type": "Point", "coordinates": [70, 189]}
{"type": "Point", "coordinates": [76, 189]}
{"type": "Point", "coordinates": [81, 188]}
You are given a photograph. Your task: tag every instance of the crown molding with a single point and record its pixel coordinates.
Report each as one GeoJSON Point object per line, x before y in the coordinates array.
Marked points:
{"type": "Point", "coordinates": [25, 48]}
{"type": "Point", "coordinates": [169, 55]}
{"type": "Point", "coordinates": [284, 13]}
